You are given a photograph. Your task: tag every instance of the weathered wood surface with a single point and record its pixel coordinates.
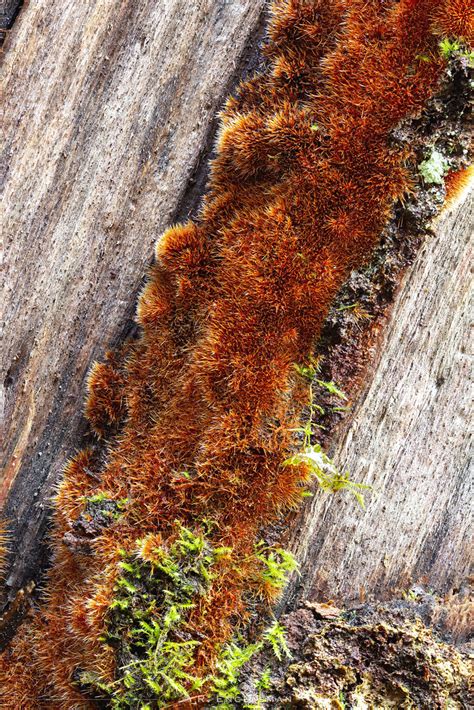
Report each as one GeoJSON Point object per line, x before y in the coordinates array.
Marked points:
{"type": "Point", "coordinates": [409, 436]}
{"type": "Point", "coordinates": [108, 108]}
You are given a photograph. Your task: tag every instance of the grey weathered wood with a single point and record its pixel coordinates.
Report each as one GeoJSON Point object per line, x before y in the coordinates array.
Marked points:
{"type": "Point", "coordinates": [409, 436]}
{"type": "Point", "coordinates": [108, 108]}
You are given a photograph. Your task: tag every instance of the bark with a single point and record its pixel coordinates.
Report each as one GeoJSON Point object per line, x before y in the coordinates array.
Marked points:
{"type": "Point", "coordinates": [110, 118]}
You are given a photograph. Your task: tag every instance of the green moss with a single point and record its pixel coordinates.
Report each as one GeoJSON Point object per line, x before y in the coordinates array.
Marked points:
{"type": "Point", "coordinates": [323, 469]}
{"type": "Point", "coordinates": [224, 685]}
{"type": "Point", "coordinates": [320, 466]}
{"type": "Point", "coordinates": [276, 565]}
{"type": "Point", "coordinates": [448, 47]}
{"type": "Point", "coordinates": [275, 635]}
{"type": "Point", "coordinates": [332, 388]}
{"type": "Point", "coordinates": [452, 48]}
{"type": "Point", "coordinates": [308, 371]}
{"type": "Point", "coordinates": [102, 505]}
{"type": "Point", "coordinates": [434, 168]}
{"type": "Point", "coordinates": [226, 694]}
{"type": "Point", "coordinates": [146, 623]}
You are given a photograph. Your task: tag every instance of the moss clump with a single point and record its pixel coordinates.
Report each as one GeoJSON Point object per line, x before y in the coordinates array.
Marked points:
{"type": "Point", "coordinates": [146, 624]}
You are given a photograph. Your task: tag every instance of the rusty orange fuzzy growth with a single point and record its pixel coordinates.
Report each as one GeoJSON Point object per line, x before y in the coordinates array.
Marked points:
{"type": "Point", "coordinates": [302, 185]}
{"type": "Point", "coordinates": [455, 18]}
{"type": "Point", "coordinates": [457, 182]}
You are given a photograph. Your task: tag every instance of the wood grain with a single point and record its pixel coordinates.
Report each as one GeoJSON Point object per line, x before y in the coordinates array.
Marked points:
{"type": "Point", "coordinates": [109, 110]}
{"type": "Point", "coordinates": [409, 435]}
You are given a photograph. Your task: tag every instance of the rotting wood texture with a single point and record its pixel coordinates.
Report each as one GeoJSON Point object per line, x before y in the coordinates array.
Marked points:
{"type": "Point", "coordinates": [109, 108]}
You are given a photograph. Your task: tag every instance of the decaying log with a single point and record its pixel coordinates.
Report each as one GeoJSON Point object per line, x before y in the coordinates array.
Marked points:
{"type": "Point", "coordinates": [110, 111]}
{"type": "Point", "coordinates": [371, 656]}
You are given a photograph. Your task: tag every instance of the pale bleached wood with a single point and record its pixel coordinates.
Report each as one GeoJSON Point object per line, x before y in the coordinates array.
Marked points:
{"type": "Point", "coordinates": [108, 107]}
{"type": "Point", "coordinates": [409, 436]}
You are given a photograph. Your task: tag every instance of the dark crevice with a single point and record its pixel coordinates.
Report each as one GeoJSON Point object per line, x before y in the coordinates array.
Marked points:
{"type": "Point", "coordinates": [8, 15]}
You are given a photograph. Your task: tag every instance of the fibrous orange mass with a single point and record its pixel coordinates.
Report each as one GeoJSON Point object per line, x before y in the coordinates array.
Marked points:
{"type": "Point", "coordinates": [208, 398]}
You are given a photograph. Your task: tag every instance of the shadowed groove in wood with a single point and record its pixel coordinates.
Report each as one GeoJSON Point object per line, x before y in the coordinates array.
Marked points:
{"type": "Point", "coordinates": [8, 13]}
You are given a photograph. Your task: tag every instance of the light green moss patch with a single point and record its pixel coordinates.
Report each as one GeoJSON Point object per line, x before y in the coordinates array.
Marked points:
{"type": "Point", "coordinates": [434, 168]}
